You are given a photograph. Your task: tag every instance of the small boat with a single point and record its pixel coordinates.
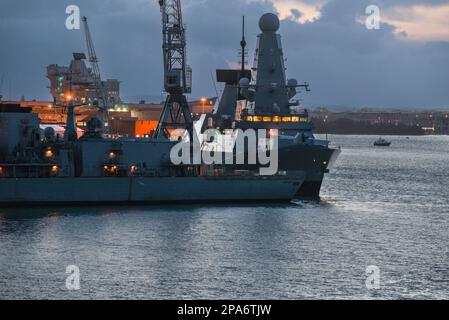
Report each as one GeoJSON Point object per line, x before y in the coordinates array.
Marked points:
{"type": "Point", "coordinates": [382, 143]}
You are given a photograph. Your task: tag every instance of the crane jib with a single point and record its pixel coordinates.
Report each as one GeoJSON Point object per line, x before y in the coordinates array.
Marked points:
{"type": "Point", "coordinates": [177, 74]}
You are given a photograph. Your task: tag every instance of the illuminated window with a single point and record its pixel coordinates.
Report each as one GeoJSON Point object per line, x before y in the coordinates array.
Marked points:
{"type": "Point", "coordinates": [257, 119]}
{"type": "Point", "coordinates": [286, 119]}
{"type": "Point", "coordinates": [267, 119]}
{"type": "Point", "coordinates": [276, 119]}
{"type": "Point", "coordinates": [295, 119]}
{"type": "Point", "coordinates": [249, 118]}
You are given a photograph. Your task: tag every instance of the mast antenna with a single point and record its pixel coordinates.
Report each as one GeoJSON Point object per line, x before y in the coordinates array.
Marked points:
{"type": "Point", "coordinates": [243, 44]}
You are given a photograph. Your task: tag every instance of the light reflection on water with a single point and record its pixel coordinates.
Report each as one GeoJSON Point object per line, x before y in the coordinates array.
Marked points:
{"type": "Point", "coordinates": [383, 207]}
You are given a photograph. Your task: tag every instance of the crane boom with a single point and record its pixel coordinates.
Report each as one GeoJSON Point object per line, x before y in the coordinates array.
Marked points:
{"type": "Point", "coordinates": [99, 87]}
{"type": "Point", "coordinates": [177, 74]}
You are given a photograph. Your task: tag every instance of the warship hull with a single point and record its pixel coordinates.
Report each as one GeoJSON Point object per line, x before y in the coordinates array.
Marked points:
{"type": "Point", "coordinates": [147, 190]}
{"type": "Point", "coordinates": [315, 160]}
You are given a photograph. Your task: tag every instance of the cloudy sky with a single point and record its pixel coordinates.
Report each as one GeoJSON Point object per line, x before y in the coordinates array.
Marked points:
{"type": "Point", "coordinates": [404, 64]}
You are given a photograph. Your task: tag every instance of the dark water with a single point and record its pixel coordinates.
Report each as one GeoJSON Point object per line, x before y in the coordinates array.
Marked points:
{"type": "Point", "coordinates": [387, 207]}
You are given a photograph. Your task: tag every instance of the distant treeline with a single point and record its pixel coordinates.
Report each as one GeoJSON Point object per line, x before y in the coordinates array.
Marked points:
{"type": "Point", "coordinates": [348, 126]}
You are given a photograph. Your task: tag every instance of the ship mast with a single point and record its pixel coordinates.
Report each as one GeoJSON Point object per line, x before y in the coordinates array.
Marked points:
{"type": "Point", "coordinates": [243, 45]}
{"type": "Point", "coordinates": [70, 133]}
{"type": "Point", "coordinates": [177, 75]}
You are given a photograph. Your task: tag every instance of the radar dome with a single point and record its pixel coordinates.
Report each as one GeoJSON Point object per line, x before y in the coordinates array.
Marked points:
{"type": "Point", "coordinates": [269, 22]}
{"type": "Point", "coordinates": [49, 133]}
{"type": "Point", "coordinates": [292, 82]}
{"type": "Point", "coordinates": [244, 82]}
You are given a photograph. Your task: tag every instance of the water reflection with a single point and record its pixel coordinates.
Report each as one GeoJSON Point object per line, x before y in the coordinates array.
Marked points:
{"type": "Point", "coordinates": [374, 210]}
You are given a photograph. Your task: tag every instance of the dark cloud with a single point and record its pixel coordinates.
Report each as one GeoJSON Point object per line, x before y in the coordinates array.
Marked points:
{"type": "Point", "coordinates": [296, 13]}
{"type": "Point", "coordinates": [345, 63]}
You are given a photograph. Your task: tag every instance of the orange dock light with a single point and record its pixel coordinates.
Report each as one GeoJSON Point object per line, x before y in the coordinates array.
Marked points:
{"type": "Point", "coordinates": [2, 171]}
{"type": "Point", "coordinates": [54, 169]}
{"type": "Point", "coordinates": [49, 153]}
{"type": "Point", "coordinates": [203, 101]}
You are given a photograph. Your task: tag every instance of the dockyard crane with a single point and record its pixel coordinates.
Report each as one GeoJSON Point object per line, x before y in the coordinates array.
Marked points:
{"type": "Point", "coordinates": [103, 102]}
{"type": "Point", "coordinates": [177, 74]}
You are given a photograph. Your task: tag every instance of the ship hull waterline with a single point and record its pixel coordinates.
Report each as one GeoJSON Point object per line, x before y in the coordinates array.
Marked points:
{"type": "Point", "coordinates": [146, 190]}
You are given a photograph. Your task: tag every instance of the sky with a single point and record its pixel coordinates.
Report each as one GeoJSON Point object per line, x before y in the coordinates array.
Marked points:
{"type": "Point", "coordinates": [404, 64]}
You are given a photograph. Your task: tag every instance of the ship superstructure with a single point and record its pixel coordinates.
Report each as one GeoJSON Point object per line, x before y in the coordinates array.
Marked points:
{"type": "Point", "coordinates": [264, 99]}
{"type": "Point", "coordinates": [269, 96]}
{"type": "Point", "coordinates": [84, 85]}
{"type": "Point", "coordinates": [80, 79]}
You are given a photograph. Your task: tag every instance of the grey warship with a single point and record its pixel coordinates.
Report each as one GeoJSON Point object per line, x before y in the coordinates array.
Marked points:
{"type": "Point", "coordinates": [263, 98]}
{"type": "Point", "coordinates": [42, 168]}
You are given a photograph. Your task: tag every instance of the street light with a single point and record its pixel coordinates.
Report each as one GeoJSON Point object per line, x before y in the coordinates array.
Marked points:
{"type": "Point", "coordinates": [203, 101]}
